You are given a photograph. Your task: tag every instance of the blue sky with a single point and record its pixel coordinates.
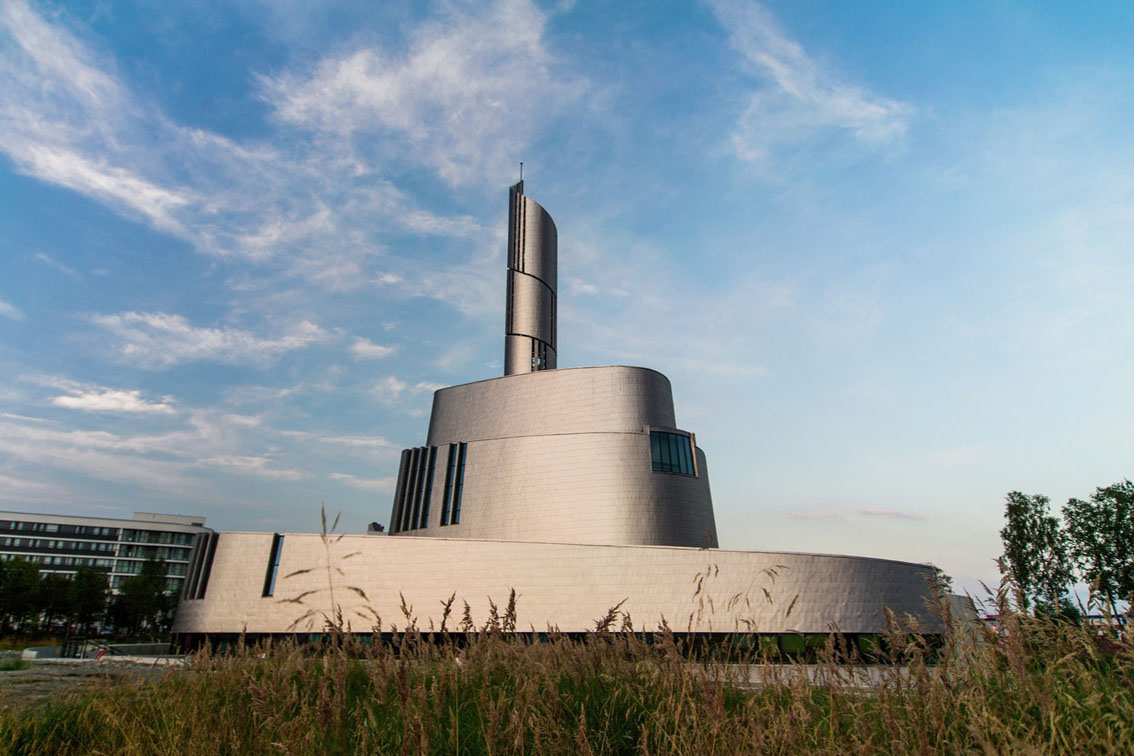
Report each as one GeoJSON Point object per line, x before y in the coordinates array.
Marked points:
{"type": "Point", "coordinates": [882, 250]}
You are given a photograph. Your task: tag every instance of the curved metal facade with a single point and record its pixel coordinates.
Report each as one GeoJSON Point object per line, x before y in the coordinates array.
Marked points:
{"type": "Point", "coordinates": [565, 586]}
{"type": "Point", "coordinates": [560, 455]}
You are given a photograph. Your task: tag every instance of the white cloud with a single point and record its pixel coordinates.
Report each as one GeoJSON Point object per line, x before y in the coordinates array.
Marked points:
{"type": "Point", "coordinates": [306, 207]}
{"type": "Point", "coordinates": [8, 310]}
{"type": "Point", "coordinates": [382, 485]}
{"type": "Point", "coordinates": [472, 88]}
{"type": "Point", "coordinates": [112, 184]}
{"type": "Point", "coordinates": [802, 100]}
{"type": "Point", "coordinates": [365, 349]}
{"type": "Point", "coordinates": [393, 388]}
{"type": "Point", "coordinates": [389, 387]}
{"type": "Point", "coordinates": [99, 455]}
{"type": "Point", "coordinates": [161, 340]}
{"type": "Point", "coordinates": [112, 400]}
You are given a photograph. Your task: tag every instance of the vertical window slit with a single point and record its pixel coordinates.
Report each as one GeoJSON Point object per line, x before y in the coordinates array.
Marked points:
{"type": "Point", "coordinates": [424, 522]}
{"type": "Point", "coordinates": [459, 485]}
{"type": "Point", "coordinates": [273, 565]}
{"type": "Point", "coordinates": [447, 497]}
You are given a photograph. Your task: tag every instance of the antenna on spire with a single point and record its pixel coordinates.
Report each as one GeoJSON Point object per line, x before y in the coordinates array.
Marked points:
{"type": "Point", "coordinates": [521, 170]}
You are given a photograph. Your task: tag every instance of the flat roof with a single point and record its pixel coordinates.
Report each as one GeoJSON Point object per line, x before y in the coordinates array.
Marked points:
{"type": "Point", "coordinates": [141, 520]}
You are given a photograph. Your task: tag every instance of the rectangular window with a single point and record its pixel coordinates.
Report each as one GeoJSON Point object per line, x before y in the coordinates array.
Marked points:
{"type": "Point", "coordinates": [419, 489]}
{"type": "Point", "coordinates": [459, 484]}
{"type": "Point", "coordinates": [447, 497]}
{"type": "Point", "coordinates": [672, 453]}
{"type": "Point", "coordinates": [273, 565]}
{"type": "Point", "coordinates": [203, 581]}
{"type": "Point", "coordinates": [424, 521]}
{"type": "Point", "coordinates": [400, 492]}
{"type": "Point", "coordinates": [407, 510]}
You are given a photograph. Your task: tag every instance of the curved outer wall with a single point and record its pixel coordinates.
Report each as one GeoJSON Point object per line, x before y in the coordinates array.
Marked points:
{"type": "Point", "coordinates": [530, 310]}
{"type": "Point", "coordinates": [562, 585]}
{"type": "Point", "coordinates": [564, 456]}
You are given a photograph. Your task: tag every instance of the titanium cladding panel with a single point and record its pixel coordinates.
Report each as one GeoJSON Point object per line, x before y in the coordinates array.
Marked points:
{"type": "Point", "coordinates": [529, 340]}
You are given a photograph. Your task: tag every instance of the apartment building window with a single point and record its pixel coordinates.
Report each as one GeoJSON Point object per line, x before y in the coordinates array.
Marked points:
{"type": "Point", "coordinates": [672, 453]}
{"type": "Point", "coordinates": [273, 565]}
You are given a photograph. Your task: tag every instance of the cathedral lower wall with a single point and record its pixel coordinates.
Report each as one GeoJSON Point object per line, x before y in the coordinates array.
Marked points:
{"type": "Point", "coordinates": [562, 586]}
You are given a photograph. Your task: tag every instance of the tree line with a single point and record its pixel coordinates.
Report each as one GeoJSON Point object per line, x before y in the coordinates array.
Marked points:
{"type": "Point", "coordinates": [1094, 542]}
{"type": "Point", "coordinates": [50, 602]}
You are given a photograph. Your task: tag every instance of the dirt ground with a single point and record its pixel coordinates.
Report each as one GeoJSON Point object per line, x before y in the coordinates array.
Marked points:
{"type": "Point", "coordinates": [46, 680]}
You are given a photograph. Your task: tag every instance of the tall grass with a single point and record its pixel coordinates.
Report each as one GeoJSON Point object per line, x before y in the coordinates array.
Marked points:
{"type": "Point", "coordinates": [1040, 687]}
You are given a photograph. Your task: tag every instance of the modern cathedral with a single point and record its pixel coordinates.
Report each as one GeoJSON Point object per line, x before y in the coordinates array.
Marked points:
{"type": "Point", "coordinates": [573, 490]}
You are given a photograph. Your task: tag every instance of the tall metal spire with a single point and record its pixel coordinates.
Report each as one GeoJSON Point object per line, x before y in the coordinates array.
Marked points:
{"type": "Point", "coordinates": [530, 311]}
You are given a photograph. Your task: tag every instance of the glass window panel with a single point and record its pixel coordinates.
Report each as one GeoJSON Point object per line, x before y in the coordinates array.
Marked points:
{"type": "Point", "coordinates": [672, 452]}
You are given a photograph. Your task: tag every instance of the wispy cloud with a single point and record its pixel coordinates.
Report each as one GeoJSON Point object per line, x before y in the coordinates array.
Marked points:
{"type": "Point", "coordinates": [365, 349]}
{"type": "Point", "coordinates": [114, 400]}
{"type": "Point", "coordinates": [261, 467]}
{"type": "Point", "coordinates": [890, 513]}
{"type": "Point", "coordinates": [381, 485]}
{"type": "Point", "coordinates": [99, 455]}
{"type": "Point", "coordinates": [308, 209]}
{"type": "Point", "coordinates": [392, 388]}
{"type": "Point", "coordinates": [114, 185]}
{"type": "Point", "coordinates": [51, 262]}
{"type": "Point", "coordinates": [367, 444]}
{"type": "Point", "coordinates": [8, 310]}
{"type": "Point", "coordinates": [161, 340]}
{"type": "Point", "coordinates": [809, 516]}
{"type": "Point", "coordinates": [800, 99]}
{"type": "Point", "coordinates": [472, 87]}
{"type": "Point", "coordinates": [840, 516]}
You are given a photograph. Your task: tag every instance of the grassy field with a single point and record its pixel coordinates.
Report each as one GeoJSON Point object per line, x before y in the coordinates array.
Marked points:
{"type": "Point", "coordinates": [1041, 687]}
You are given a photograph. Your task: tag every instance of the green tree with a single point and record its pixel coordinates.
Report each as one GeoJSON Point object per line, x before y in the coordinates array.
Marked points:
{"type": "Point", "coordinates": [1100, 533]}
{"type": "Point", "coordinates": [1035, 549]}
{"type": "Point", "coordinates": [56, 594]}
{"type": "Point", "coordinates": [942, 582]}
{"type": "Point", "coordinates": [89, 596]}
{"type": "Point", "coordinates": [19, 593]}
{"type": "Point", "coordinates": [143, 601]}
